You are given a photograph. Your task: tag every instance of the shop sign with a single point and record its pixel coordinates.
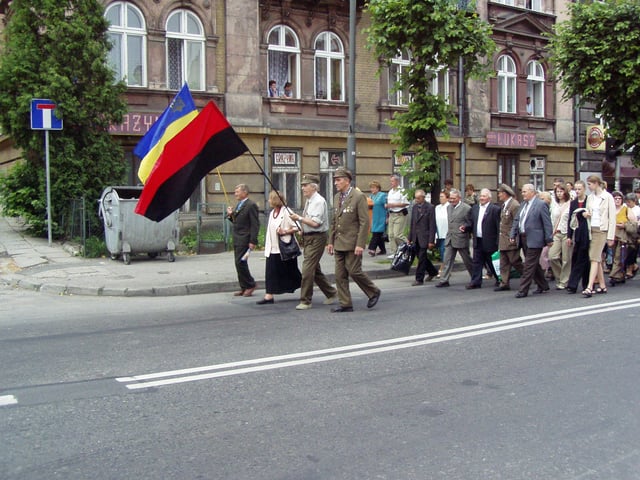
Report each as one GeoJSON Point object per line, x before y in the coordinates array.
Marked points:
{"type": "Point", "coordinates": [596, 138]}
{"type": "Point", "coordinates": [497, 139]}
{"type": "Point", "coordinates": [134, 123]}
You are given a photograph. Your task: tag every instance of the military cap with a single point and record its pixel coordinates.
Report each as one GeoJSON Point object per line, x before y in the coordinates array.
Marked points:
{"type": "Point", "coordinates": [309, 178]}
{"type": "Point", "coordinates": [342, 172]}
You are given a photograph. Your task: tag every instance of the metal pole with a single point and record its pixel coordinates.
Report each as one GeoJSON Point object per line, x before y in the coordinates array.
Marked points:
{"type": "Point", "coordinates": [463, 145]}
{"type": "Point", "coordinates": [351, 135]}
{"type": "Point", "coordinates": [48, 173]}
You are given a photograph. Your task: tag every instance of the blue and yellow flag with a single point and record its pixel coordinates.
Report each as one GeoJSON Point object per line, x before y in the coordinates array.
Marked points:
{"type": "Point", "coordinates": [176, 116]}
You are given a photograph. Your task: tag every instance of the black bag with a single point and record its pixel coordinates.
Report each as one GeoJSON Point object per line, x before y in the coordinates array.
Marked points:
{"type": "Point", "coordinates": [403, 258]}
{"type": "Point", "coordinates": [404, 211]}
{"type": "Point", "coordinates": [289, 250]}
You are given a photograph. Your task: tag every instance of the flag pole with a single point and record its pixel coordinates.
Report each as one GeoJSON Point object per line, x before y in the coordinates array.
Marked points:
{"type": "Point", "coordinates": [264, 174]}
{"type": "Point", "coordinates": [224, 190]}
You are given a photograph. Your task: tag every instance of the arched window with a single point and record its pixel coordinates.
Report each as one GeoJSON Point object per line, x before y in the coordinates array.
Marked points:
{"type": "Point", "coordinates": [329, 61]}
{"type": "Point", "coordinates": [535, 88]}
{"type": "Point", "coordinates": [185, 51]}
{"type": "Point", "coordinates": [397, 69]}
{"type": "Point", "coordinates": [506, 84]}
{"type": "Point", "coordinates": [284, 59]}
{"type": "Point", "coordinates": [440, 82]}
{"type": "Point", "coordinates": [128, 34]}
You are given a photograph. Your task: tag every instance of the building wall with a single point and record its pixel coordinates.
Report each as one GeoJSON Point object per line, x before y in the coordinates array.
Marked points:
{"type": "Point", "coordinates": [306, 130]}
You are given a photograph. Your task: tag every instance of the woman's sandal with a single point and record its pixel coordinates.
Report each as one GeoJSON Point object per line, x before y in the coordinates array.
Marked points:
{"type": "Point", "coordinates": [587, 292]}
{"type": "Point", "coordinates": [601, 290]}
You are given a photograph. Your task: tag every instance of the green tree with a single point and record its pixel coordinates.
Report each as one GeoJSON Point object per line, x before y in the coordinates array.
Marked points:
{"type": "Point", "coordinates": [434, 33]}
{"type": "Point", "coordinates": [58, 49]}
{"type": "Point", "coordinates": [597, 56]}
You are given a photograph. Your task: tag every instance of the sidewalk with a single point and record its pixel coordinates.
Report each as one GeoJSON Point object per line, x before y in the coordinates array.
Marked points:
{"type": "Point", "coordinates": [30, 263]}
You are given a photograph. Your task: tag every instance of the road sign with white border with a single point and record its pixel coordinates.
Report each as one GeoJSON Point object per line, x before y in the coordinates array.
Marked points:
{"type": "Point", "coordinates": [43, 115]}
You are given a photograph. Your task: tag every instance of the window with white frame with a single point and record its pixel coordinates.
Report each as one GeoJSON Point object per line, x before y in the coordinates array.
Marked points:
{"type": "Point", "coordinates": [506, 84]}
{"type": "Point", "coordinates": [284, 59]}
{"type": "Point", "coordinates": [506, 2]}
{"type": "Point", "coordinates": [185, 51]}
{"type": "Point", "coordinates": [535, 5]}
{"type": "Point", "coordinates": [535, 88]}
{"type": "Point", "coordinates": [397, 69]}
{"type": "Point", "coordinates": [329, 63]}
{"type": "Point", "coordinates": [440, 82]}
{"type": "Point", "coordinates": [128, 35]}
{"type": "Point", "coordinates": [285, 175]}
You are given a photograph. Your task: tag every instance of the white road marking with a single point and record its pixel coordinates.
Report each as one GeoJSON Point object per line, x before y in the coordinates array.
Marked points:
{"type": "Point", "coordinates": [349, 351]}
{"type": "Point", "coordinates": [7, 400]}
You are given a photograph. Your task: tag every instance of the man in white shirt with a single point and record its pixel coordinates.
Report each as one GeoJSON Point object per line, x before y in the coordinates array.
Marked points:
{"type": "Point", "coordinates": [315, 227]}
{"type": "Point", "coordinates": [397, 203]}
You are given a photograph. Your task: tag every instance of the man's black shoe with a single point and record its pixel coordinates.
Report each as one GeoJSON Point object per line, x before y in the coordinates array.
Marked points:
{"type": "Point", "coordinates": [373, 300]}
{"type": "Point", "coordinates": [342, 309]}
{"type": "Point", "coordinates": [502, 288]}
{"type": "Point", "coordinates": [541, 290]}
{"type": "Point", "coordinates": [521, 294]}
{"type": "Point", "coordinates": [570, 290]}
{"type": "Point", "coordinates": [442, 284]}
{"type": "Point", "coordinates": [472, 286]}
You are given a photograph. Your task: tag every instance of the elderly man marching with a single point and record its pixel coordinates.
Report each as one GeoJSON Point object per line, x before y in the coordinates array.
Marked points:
{"type": "Point", "coordinates": [348, 239]}
{"type": "Point", "coordinates": [509, 252]}
{"type": "Point", "coordinates": [315, 225]}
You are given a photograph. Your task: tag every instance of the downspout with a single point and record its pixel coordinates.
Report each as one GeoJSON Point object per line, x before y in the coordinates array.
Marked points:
{"type": "Point", "coordinates": [463, 145]}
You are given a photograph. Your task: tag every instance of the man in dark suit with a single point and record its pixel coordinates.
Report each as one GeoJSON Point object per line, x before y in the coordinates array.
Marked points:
{"type": "Point", "coordinates": [347, 240]}
{"type": "Point", "coordinates": [246, 225]}
{"type": "Point", "coordinates": [509, 252]}
{"type": "Point", "coordinates": [422, 234]}
{"type": "Point", "coordinates": [532, 227]}
{"type": "Point", "coordinates": [457, 239]}
{"type": "Point", "coordinates": [485, 218]}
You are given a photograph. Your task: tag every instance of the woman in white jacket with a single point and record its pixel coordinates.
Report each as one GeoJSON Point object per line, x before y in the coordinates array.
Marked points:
{"type": "Point", "coordinates": [601, 215]}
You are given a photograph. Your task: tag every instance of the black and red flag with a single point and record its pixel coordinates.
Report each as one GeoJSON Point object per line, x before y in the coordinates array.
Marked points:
{"type": "Point", "coordinates": [205, 143]}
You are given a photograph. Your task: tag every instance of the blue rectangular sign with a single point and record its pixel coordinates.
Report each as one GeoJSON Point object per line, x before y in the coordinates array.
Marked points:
{"type": "Point", "coordinates": [43, 115]}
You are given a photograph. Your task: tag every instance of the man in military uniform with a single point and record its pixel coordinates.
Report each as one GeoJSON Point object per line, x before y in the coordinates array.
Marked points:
{"type": "Point", "coordinates": [348, 239]}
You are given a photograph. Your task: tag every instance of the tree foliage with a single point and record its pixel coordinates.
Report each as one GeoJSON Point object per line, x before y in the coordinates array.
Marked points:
{"type": "Point", "coordinates": [597, 56]}
{"type": "Point", "coordinates": [57, 49]}
{"type": "Point", "coordinates": [435, 33]}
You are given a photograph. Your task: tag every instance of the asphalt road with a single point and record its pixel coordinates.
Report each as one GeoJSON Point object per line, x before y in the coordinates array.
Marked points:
{"type": "Point", "coordinates": [430, 384]}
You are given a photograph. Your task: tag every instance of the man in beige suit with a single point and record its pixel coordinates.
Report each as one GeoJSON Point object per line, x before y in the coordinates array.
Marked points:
{"type": "Point", "coordinates": [347, 240]}
{"type": "Point", "coordinates": [509, 252]}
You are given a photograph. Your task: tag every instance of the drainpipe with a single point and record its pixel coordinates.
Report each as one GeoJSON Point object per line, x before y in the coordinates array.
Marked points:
{"type": "Point", "coordinates": [351, 135]}
{"type": "Point", "coordinates": [463, 145]}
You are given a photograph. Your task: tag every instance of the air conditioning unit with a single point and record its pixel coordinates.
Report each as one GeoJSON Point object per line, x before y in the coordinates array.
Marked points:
{"type": "Point", "coordinates": [536, 164]}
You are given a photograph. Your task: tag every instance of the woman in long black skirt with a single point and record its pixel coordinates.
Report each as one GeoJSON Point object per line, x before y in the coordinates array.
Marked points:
{"type": "Point", "coordinates": [281, 276]}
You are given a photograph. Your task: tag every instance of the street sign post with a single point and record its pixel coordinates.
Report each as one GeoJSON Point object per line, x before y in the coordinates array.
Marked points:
{"type": "Point", "coordinates": [43, 117]}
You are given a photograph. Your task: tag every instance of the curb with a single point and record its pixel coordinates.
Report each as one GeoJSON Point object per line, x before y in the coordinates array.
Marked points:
{"type": "Point", "coordinates": [197, 288]}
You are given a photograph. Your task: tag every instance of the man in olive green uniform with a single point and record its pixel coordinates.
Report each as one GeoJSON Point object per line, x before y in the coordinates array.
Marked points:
{"type": "Point", "coordinates": [347, 240]}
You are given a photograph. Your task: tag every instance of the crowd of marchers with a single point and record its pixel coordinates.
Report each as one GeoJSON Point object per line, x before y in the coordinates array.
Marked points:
{"type": "Point", "coordinates": [573, 235]}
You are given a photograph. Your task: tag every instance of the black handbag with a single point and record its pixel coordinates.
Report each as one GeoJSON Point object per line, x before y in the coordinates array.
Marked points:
{"type": "Point", "coordinates": [289, 250]}
{"type": "Point", "coordinates": [403, 258]}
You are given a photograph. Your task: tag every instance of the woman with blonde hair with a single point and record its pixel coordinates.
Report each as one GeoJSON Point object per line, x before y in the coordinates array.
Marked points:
{"type": "Point", "coordinates": [601, 215]}
{"type": "Point", "coordinates": [560, 251]}
{"type": "Point", "coordinates": [281, 276]}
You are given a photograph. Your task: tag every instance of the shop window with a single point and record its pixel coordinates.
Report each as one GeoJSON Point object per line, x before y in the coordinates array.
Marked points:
{"type": "Point", "coordinates": [285, 175]}
{"type": "Point", "coordinates": [329, 161]}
